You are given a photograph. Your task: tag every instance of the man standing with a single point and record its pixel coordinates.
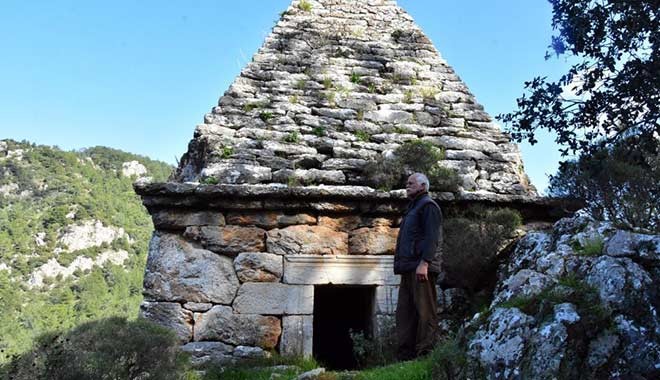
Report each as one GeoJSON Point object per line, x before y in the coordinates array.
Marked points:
{"type": "Point", "coordinates": [417, 260]}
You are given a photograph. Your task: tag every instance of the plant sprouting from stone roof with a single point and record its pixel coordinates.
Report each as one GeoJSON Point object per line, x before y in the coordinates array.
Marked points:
{"type": "Point", "coordinates": [305, 5]}
{"type": "Point", "coordinates": [293, 137]}
{"type": "Point", "coordinates": [362, 136]}
{"type": "Point", "coordinates": [266, 116]}
{"type": "Point", "coordinates": [414, 156]}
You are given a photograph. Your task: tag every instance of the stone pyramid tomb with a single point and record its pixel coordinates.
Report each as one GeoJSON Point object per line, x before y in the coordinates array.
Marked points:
{"type": "Point", "coordinates": [338, 84]}
{"type": "Point", "coordinates": [269, 235]}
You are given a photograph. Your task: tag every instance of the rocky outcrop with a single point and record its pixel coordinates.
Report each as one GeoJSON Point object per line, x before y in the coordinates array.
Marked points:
{"type": "Point", "coordinates": [53, 269]}
{"type": "Point", "coordinates": [580, 301]}
{"type": "Point", "coordinates": [91, 233]}
{"type": "Point", "coordinates": [133, 169]}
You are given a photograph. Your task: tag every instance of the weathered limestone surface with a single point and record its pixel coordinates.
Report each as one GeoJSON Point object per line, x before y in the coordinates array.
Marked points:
{"type": "Point", "coordinates": [180, 219]}
{"type": "Point", "coordinates": [372, 241]}
{"type": "Point", "coordinates": [178, 272]}
{"type": "Point", "coordinates": [228, 240]}
{"type": "Point", "coordinates": [278, 299]}
{"type": "Point", "coordinates": [269, 220]}
{"type": "Point", "coordinates": [258, 267]}
{"type": "Point", "coordinates": [307, 240]}
{"type": "Point", "coordinates": [338, 270]}
{"type": "Point", "coordinates": [603, 284]}
{"type": "Point", "coordinates": [170, 315]}
{"type": "Point", "coordinates": [297, 335]}
{"type": "Point", "coordinates": [221, 324]}
{"type": "Point", "coordinates": [209, 352]}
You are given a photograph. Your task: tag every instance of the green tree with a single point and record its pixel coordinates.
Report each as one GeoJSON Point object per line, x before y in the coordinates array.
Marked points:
{"type": "Point", "coordinates": [612, 92]}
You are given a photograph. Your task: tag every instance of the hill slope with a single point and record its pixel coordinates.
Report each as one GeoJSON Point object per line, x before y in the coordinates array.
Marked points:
{"type": "Point", "coordinates": [73, 238]}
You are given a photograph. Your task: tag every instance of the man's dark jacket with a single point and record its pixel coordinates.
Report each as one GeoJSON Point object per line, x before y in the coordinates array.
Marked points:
{"type": "Point", "coordinates": [420, 236]}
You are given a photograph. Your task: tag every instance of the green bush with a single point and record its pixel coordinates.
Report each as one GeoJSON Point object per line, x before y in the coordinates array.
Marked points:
{"type": "Point", "coordinates": [472, 240]}
{"type": "Point", "coordinates": [618, 184]}
{"type": "Point", "coordinates": [112, 348]}
{"type": "Point", "coordinates": [412, 157]}
{"type": "Point", "coordinates": [375, 351]}
{"type": "Point", "coordinates": [450, 361]}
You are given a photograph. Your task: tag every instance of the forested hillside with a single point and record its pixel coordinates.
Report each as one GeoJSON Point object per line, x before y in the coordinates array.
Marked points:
{"type": "Point", "coordinates": [73, 238]}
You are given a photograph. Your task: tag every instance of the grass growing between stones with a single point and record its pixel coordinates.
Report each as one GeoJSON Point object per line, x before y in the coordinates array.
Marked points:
{"type": "Point", "coordinates": [592, 247]}
{"type": "Point", "coordinates": [568, 289]}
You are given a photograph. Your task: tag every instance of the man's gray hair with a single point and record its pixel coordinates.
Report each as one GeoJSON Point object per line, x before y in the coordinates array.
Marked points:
{"type": "Point", "coordinates": [422, 179]}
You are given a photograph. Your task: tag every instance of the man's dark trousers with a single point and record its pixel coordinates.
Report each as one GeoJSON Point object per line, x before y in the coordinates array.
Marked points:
{"type": "Point", "coordinates": [416, 315]}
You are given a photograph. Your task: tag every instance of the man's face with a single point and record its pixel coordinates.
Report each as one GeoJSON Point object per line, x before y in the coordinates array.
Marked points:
{"type": "Point", "coordinates": [413, 187]}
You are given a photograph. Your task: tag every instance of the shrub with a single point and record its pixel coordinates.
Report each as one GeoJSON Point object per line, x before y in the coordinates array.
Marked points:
{"type": "Point", "coordinates": [265, 116]}
{"type": "Point", "coordinates": [292, 137]}
{"type": "Point", "coordinates": [472, 240]}
{"type": "Point", "coordinates": [408, 96]}
{"type": "Point", "coordinates": [305, 5]}
{"type": "Point", "coordinates": [210, 181]}
{"type": "Point", "coordinates": [591, 247]}
{"type": "Point", "coordinates": [450, 361]}
{"type": "Point", "coordinates": [411, 157]}
{"type": "Point", "coordinates": [362, 136]}
{"type": "Point", "coordinates": [375, 351]}
{"type": "Point", "coordinates": [355, 78]}
{"type": "Point", "coordinates": [319, 131]}
{"type": "Point", "coordinates": [112, 348]}
{"type": "Point", "coordinates": [618, 184]}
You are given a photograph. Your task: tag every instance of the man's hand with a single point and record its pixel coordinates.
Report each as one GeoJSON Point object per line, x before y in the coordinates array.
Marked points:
{"type": "Point", "coordinates": [422, 271]}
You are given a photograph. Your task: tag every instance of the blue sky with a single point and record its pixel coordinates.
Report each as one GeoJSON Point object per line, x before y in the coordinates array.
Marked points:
{"type": "Point", "coordinates": [139, 75]}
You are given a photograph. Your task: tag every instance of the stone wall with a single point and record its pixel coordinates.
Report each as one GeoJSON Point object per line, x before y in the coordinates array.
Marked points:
{"type": "Point", "coordinates": [236, 279]}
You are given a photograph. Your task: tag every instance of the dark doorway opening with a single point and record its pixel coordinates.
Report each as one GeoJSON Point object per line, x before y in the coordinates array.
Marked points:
{"type": "Point", "coordinates": [337, 311]}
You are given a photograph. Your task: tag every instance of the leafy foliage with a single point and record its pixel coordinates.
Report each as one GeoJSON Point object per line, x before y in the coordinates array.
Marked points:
{"type": "Point", "coordinates": [620, 183]}
{"type": "Point", "coordinates": [612, 91]}
{"type": "Point", "coordinates": [113, 348]}
{"type": "Point", "coordinates": [56, 189]}
{"type": "Point", "coordinates": [411, 157]}
{"type": "Point", "coordinates": [472, 240]}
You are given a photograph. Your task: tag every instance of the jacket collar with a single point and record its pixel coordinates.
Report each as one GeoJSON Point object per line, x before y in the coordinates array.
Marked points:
{"type": "Point", "coordinates": [414, 201]}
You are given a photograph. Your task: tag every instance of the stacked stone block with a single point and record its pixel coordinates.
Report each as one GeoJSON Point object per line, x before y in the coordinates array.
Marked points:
{"type": "Point", "coordinates": [337, 86]}
{"type": "Point", "coordinates": [235, 281]}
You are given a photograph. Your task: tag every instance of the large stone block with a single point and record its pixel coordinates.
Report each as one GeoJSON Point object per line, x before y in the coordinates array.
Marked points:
{"type": "Point", "coordinates": [307, 240]}
{"type": "Point", "coordinates": [229, 240]}
{"type": "Point", "coordinates": [372, 241]}
{"type": "Point", "coordinates": [170, 315]}
{"type": "Point", "coordinates": [339, 270]}
{"type": "Point", "coordinates": [386, 299]}
{"type": "Point", "coordinates": [297, 335]}
{"type": "Point", "coordinates": [176, 271]}
{"type": "Point", "coordinates": [274, 299]}
{"type": "Point", "coordinates": [221, 324]}
{"type": "Point", "coordinates": [352, 222]}
{"type": "Point", "coordinates": [258, 267]}
{"type": "Point", "coordinates": [180, 219]}
{"type": "Point", "coordinates": [209, 352]}
{"type": "Point", "coordinates": [269, 220]}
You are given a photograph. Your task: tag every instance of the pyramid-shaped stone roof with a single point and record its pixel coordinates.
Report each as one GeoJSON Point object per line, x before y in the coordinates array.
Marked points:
{"type": "Point", "coordinates": [339, 83]}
